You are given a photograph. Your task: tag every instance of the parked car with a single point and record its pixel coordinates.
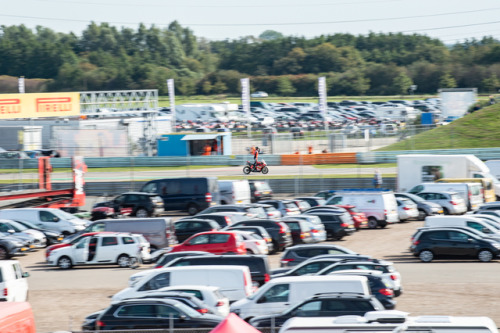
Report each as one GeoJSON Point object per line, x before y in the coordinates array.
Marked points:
{"type": "Point", "coordinates": [407, 209]}
{"type": "Point", "coordinates": [271, 211]}
{"type": "Point", "coordinates": [10, 246]}
{"type": "Point", "coordinates": [257, 264]}
{"type": "Point", "coordinates": [279, 232]}
{"type": "Point", "coordinates": [379, 285]}
{"type": "Point", "coordinates": [296, 254]}
{"type": "Point", "coordinates": [316, 264]}
{"type": "Point", "coordinates": [359, 218]}
{"type": "Point", "coordinates": [322, 305]}
{"type": "Point", "coordinates": [451, 202]}
{"type": "Point", "coordinates": [224, 219]}
{"type": "Point", "coordinates": [53, 237]}
{"type": "Point", "coordinates": [102, 248]}
{"type": "Point", "coordinates": [217, 242]}
{"type": "Point", "coordinates": [337, 224]}
{"type": "Point", "coordinates": [425, 208]}
{"type": "Point", "coordinates": [140, 204]}
{"type": "Point", "coordinates": [317, 228]}
{"type": "Point", "coordinates": [37, 238]}
{"type": "Point", "coordinates": [166, 258]}
{"type": "Point", "coordinates": [261, 231]}
{"type": "Point", "coordinates": [301, 231]}
{"type": "Point", "coordinates": [234, 192]}
{"type": "Point", "coordinates": [186, 298]}
{"type": "Point", "coordinates": [188, 227]}
{"type": "Point", "coordinates": [253, 242]}
{"type": "Point", "coordinates": [211, 295]}
{"type": "Point", "coordinates": [285, 207]}
{"type": "Point", "coordinates": [153, 313]}
{"type": "Point", "coordinates": [251, 211]}
{"type": "Point", "coordinates": [326, 194]}
{"type": "Point", "coordinates": [13, 282]}
{"type": "Point", "coordinates": [430, 243]}
{"type": "Point", "coordinates": [259, 94]}
{"type": "Point", "coordinates": [303, 205]}
{"type": "Point", "coordinates": [312, 201]}
{"type": "Point", "coordinates": [386, 267]}
{"type": "Point", "coordinates": [185, 194]}
{"type": "Point", "coordinates": [260, 190]}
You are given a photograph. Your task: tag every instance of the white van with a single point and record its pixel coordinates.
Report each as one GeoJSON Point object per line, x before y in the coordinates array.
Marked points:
{"type": "Point", "coordinates": [13, 283]}
{"type": "Point", "coordinates": [235, 281]}
{"type": "Point", "coordinates": [470, 192]}
{"type": "Point", "coordinates": [379, 205]}
{"type": "Point", "coordinates": [46, 218]}
{"type": "Point", "coordinates": [234, 192]}
{"type": "Point", "coordinates": [389, 321]}
{"type": "Point", "coordinates": [284, 292]}
{"type": "Point", "coordinates": [462, 221]}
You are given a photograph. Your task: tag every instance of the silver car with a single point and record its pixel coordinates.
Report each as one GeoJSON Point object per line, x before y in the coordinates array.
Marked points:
{"type": "Point", "coordinates": [451, 202]}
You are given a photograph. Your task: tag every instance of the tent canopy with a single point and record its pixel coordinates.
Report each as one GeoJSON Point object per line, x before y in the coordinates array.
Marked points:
{"type": "Point", "coordinates": [191, 137]}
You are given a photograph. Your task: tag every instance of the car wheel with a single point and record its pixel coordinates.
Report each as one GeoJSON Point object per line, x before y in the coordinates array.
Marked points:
{"type": "Point", "coordinates": [192, 209]}
{"type": "Point", "coordinates": [397, 293]}
{"type": "Point", "coordinates": [64, 263]}
{"type": "Point", "coordinates": [249, 251]}
{"type": "Point", "coordinates": [372, 223]}
{"type": "Point", "coordinates": [4, 254]}
{"type": "Point", "coordinates": [123, 260]}
{"type": "Point", "coordinates": [421, 215]}
{"type": "Point", "coordinates": [446, 211]}
{"type": "Point", "coordinates": [485, 255]}
{"type": "Point", "coordinates": [426, 256]}
{"type": "Point", "coordinates": [141, 212]}
{"type": "Point", "coordinates": [276, 247]}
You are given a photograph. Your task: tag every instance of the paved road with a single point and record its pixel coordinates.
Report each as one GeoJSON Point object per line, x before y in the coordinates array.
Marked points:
{"type": "Point", "coordinates": [61, 299]}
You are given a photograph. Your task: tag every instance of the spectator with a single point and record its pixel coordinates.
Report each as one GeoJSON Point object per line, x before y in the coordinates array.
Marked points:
{"type": "Point", "coordinates": [377, 179]}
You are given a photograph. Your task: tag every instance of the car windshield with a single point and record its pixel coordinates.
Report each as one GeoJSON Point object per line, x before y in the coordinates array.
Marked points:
{"type": "Point", "coordinates": [62, 214]}
{"type": "Point", "coordinates": [18, 227]}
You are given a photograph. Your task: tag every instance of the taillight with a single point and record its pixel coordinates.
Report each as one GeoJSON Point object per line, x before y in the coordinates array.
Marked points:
{"type": "Point", "coordinates": [5, 291]}
{"type": "Point", "coordinates": [285, 262]}
{"type": "Point", "coordinates": [282, 228]}
{"type": "Point", "coordinates": [245, 280]}
{"type": "Point", "coordinates": [314, 231]}
{"type": "Point", "coordinates": [202, 310]}
{"type": "Point", "coordinates": [453, 202]}
{"type": "Point", "coordinates": [160, 266]}
{"type": "Point", "coordinates": [100, 323]}
{"type": "Point", "coordinates": [208, 197]}
{"type": "Point", "coordinates": [386, 291]}
{"type": "Point", "coordinates": [267, 277]}
{"type": "Point", "coordinates": [406, 208]}
{"type": "Point", "coordinates": [416, 242]}
{"type": "Point", "coordinates": [288, 210]}
{"type": "Point", "coordinates": [228, 220]}
{"type": "Point", "coordinates": [269, 239]}
{"type": "Point", "coordinates": [257, 193]}
{"type": "Point", "coordinates": [302, 235]}
{"type": "Point", "coordinates": [219, 303]}
{"type": "Point", "coordinates": [394, 277]}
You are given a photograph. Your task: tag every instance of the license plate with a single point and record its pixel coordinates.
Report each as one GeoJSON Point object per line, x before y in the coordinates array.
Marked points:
{"type": "Point", "coordinates": [239, 201]}
{"type": "Point", "coordinates": [440, 211]}
{"type": "Point", "coordinates": [23, 249]}
{"type": "Point", "coordinates": [266, 192]}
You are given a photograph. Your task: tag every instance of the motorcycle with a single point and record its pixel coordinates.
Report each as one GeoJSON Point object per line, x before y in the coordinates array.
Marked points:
{"type": "Point", "coordinates": [261, 166]}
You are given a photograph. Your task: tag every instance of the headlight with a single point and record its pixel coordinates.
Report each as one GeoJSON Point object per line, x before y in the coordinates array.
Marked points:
{"type": "Point", "coordinates": [496, 245]}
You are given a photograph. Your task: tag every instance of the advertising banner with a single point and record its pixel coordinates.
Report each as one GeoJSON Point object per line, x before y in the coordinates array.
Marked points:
{"type": "Point", "coordinates": [39, 105]}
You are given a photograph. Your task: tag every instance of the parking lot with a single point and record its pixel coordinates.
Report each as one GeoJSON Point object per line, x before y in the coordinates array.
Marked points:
{"type": "Point", "coordinates": [61, 299]}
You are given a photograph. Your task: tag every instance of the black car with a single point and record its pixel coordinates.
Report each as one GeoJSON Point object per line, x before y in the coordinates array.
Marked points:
{"type": "Point", "coordinates": [279, 232]}
{"type": "Point", "coordinates": [251, 211]}
{"type": "Point", "coordinates": [301, 231]}
{"type": "Point", "coordinates": [151, 313]}
{"type": "Point", "coordinates": [425, 208]}
{"type": "Point", "coordinates": [53, 237]}
{"type": "Point", "coordinates": [188, 227]}
{"type": "Point", "coordinates": [224, 219]}
{"type": "Point", "coordinates": [140, 204]}
{"type": "Point", "coordinates": [430, 243]}
{"type": "Point", "coordinates": [326, 194]}
{"type": "Point", "coordinates": [260, 190]}
{"type": "Point", "coordinates": [337, 224]}
{"type": "Point", "coordinates": [257, 264]}
{"type": "Point", "coordinates": [166, 258]}
{"type": "Point", "coordinates": [313, 201]}
{"type": "Point", "coordinates": [323, 305]}
{"type": "Point", "coordinates": [296, 254]}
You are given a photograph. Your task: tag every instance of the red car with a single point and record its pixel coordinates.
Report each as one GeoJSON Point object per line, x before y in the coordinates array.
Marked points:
{"type": "Point", "coordinates": [217, 242]}
{"type": "Point", "coordinates": [359, 218]}
{"type": "Point", "coordinates": [69, 243]}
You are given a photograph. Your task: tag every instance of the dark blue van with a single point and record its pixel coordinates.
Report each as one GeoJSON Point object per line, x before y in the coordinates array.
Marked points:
{"type": "Point", "coordinates": [185, 194]}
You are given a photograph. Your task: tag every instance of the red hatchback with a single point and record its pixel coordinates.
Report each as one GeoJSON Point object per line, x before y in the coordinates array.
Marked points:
{"type": "Point", "coordinates": [359, 218]}
{"type": "Point", "coordinates": [217, 242]}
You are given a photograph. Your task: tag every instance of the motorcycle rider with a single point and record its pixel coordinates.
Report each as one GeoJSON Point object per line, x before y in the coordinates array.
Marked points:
{"type": "Point", "coordinates": [256, 157]}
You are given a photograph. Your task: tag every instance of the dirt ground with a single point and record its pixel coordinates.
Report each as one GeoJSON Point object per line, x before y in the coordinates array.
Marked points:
{"type": "Point", "coordinates": [61, 299]}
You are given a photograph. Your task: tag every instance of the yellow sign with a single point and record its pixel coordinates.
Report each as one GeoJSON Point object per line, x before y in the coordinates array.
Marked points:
{"type": "Point", "coordinates": [39, 105]}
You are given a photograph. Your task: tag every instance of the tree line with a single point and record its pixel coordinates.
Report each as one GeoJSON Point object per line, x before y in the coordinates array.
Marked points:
{"type": "Point", "coordinates": [108, 58]}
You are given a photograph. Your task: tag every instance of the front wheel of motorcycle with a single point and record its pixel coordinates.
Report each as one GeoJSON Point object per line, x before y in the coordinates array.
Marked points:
{"type": "Point", "coordinates": [246, 170]}
{"type": "Point", "coordinates": [265, 170]}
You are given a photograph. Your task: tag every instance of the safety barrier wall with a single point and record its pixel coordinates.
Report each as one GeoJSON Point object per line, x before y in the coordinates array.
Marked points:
{"type": "Point", "coordinates": [327, 158]}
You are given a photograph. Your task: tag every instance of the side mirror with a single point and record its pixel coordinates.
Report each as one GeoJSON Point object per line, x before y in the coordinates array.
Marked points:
{"type": "Point", "coordinates": [11, 231]}
{"type": "Point", "coordinates": [263, 299]}
{"type": "Point", "coordinates": [56, 219]}
{"type": "Point", "coordinates": [486, 231]}
{"type": "Point", "coordinates": [183, 317]}
{"type": "Point", "coordinates": [470, 240]}
{"type": "Point", "coordinates": [25, 275]}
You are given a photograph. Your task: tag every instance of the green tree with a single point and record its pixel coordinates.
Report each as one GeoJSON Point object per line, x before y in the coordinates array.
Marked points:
{"type": "Point", "coordinates": [447, 81]}
{"type": "Point", "coordinates": [285, 86]}
{"type": "Point", "coordinates": [402, 83]}
{"type": "Point", "coordinates": [491, 83]}
{"type": "Point", "coordinates": [270, 35]}
{"type": "Point", "coordinates": [219, 87]}
{"type": "Point", "coordinates": [206, 87]}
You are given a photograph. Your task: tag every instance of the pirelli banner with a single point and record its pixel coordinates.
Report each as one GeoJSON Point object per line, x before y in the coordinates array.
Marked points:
{"type": "Point", "coordinates": [39, 105]}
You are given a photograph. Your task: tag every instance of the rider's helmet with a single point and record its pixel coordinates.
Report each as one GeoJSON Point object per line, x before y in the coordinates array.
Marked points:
{"type": "Point", "coordinates": [257, 149]}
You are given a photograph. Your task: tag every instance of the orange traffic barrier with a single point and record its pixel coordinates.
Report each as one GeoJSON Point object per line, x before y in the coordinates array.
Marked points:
{"type": "Point", "coordinates": [324, 158]}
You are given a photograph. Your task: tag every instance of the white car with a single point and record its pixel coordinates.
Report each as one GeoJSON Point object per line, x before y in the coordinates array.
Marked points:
{"type": "Point", "coordinates": [210, 295]}
{"type": "Point", "coordinates": [108, 248]}
{"type": "Point", "coordinates": [452, 202]}
{"type": "Point", "coordinates": [145, 247]}
{"type": "Point", "coordinates": [253, 242]}
{"type": "Point", "coordinates": [407, 209]}
{"type": "Point", "coordinates": [259, 94]}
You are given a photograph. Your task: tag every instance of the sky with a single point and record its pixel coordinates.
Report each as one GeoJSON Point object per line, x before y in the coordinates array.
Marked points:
{"type": "Point", "coordinates": [450, 21]}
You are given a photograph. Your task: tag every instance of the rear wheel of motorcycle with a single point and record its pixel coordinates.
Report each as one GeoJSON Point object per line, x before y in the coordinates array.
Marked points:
{"type": "Point", "coordinates": [246, 170]}
{"type": "Point", "coordinates": [265, 170]}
